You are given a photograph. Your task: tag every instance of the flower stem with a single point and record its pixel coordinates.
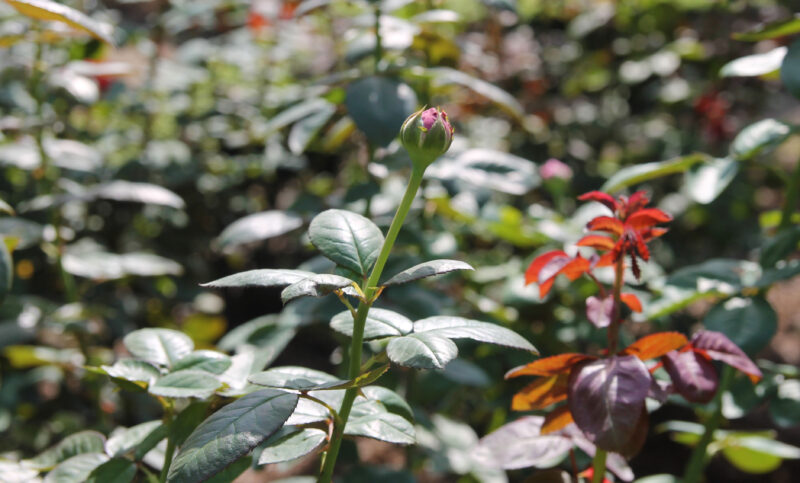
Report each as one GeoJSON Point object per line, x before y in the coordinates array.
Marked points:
{"type": "Point", "coordinates": [699, 458]}
{"type": "Point", "coordinates": [599, 466]}
{"type": "Point", "coordinates": [357, 343]}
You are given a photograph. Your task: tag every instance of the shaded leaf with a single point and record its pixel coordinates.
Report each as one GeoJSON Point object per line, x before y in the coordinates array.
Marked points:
{"type": "Point", "coordinates": [347, 238]}
{"type": "Point", "coordinates": [370, 419]}
{"type": "Point", "coordinates": [74, 444]}
{"type": "Point", "coordinates": [780, 246]}
{"type": "Point", "coordinates": [76, 469]}
{"type": "Point", "coordinates": [599, 311]}
{"type": "Point", "coordinates": [380, 323]}
{"type": "Point", "coordinates": [557, 420]}
{"type": "Point", "coordinates": [705, 182]}
{"type": "Point", "coordinates": [116, 470]}
{"type": "Point", "coordinates": [124, 440]}
{"type": "Point", "coordinates": [204, 360]}
{"type": "Point", "coordinates": [6, 269]}
{"type": "Point", "coordinates": [750, 322]}
{"type": "Point", "coordinates": [790, 69]}
{"type": "Point", "coordinates": [231, 433]}
{"type": "Point", "coordinates": [771, 30]}
{"type": "Point", "coordinates": [379, 106]}
{"type": "Point", "coordinates": [305, 130]}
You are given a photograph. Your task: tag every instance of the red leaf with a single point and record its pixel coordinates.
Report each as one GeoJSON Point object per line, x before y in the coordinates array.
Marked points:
{"type": "Point", "coordinates": [532, 273]}
{"type": "Point", "coordinates": [599, 242]}
{"type": "Point", "coordinates": [632, 301]}
{"type": "Point", "coordinates": [720, 348]}
{"type": "Point", "coordinates": [656, 345]}
{"type": "Point", "coordinates": [548, 366]}
{"type": "Point", "coordinates": [557, 419]}
{"type": "Point", "coordinates": [651, 233]}
{"type": "Point", "coordinates": [599, 311]}
{"type": "Point", "coordinates": [647, 218]}
{"type": "Point", "coordinates": [588, 475]}
{"type": "Point", "coordinates": [600, 197]}
{"type": "Point", "coordinates": [606, 398]}
{"type": "Point", "coordinates": [693, 376]}
{"type": "Point", "coordinates": [640, 245]}
{"type": "Point", "coordinates": [577, 267]}
{"type": "Point", "coordinates": [605, 261]}
{"type": "Point", "coordinates": [520, 444]}
{"type": "Point", "coordinates": [637, 201]}
{"type": "Point", "coordinates": [607, 224]}
{"type": "Point", "coordinates": [541, 393]}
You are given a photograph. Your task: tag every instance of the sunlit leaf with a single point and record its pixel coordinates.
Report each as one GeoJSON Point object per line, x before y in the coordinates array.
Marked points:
{"type": "Point", "coordinates": [296, 443]}
{"type": "Point", "coordinates": [520, 444]}
{"type": "Point", "coordinates": [317, 285]}
{"type": "Point", "coordinates": [257, 227]}
{"type": "Point", "coordinates": [756, 137]}
{"type": "Point", "coordinates": [754, 65]}
{"type": "Point", "coordinates": [427, 269]}
{"type": "Point", "coordinates": [347, 238]}
{"type": "Point", "coordinates": [693, 376]}
{"type": "Point", "coordinates": [461, 328]}
{"type": "Point", "coordinates": [380, 323]}
{"type": "Point", "coordinates": [421, 351]}
{"type": "Point", "coordinates": [656, 345]}
{"type": "Point", "coordinates": [160, 346]}
{"type": "Point", "coordinates": [54, 11]}
{"type": "Point", "coordinates": [82, 442]}
{"type": "Point", "coordinates": [639, 173]}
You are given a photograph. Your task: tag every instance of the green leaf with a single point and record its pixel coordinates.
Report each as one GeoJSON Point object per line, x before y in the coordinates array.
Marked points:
{"type": "Point", "coordinates": [150, 441]}
{"type": "Point", "coordinates": [74, 444]}
{"type": "Point", "coordinates": [785, 407]}
{"type": "Point", "coordinates": [124, 440]}
{"type": "Point", "coordinates": [116, 470]}
{"type": "Point", "coordinates": [76, 469]}
{"type": "Point", "coordinates": [380, 323]}
{"type": "Point", "coordinates": [754, 65]}
{"type": "Point", "coordinates": [187, 383]}
{"type": "Point", "coordinates": [5, 207]}
{"type": "Point", "coordinates": [292, 377]}
{"type": "Point", "coordinates": [295, 113]}
{"type": "Point", "coordinates": [705, 182]}
{"type": "Point", "coordinates": [6, 269]}
{"type": "Point", "coordinates": [633, 175]}
{"type": "Point", "coordinates": [296, 443]}
{"type": "Point", "coordinates": [379, 106]}
{"type": "Point", "coordinates": [772, 30]}
{"type": "Point", "coordinates": [304, 131]}
{"type": "Point", "coordinates": [266, 277]}
{"type": "Point", "coordinates": [393, 402]}
{"type": "Point", "coordinates": [159, 346]}
{"type": "Point", "coordinates": [421, 351]}
{"type": "Point", "coordinates": [187, 420]}
{"type": "Point", "coordinates": [317, 285]}
{"type": "Point", "coordinates": [232, 472]}
{"type": "Point", "coordinates": [790, 69]}
{"type": "Point", "coordinates": [427, 269]}
{"type": "Point", "coordinates": [54, 11]}
{"type": "Point", "coordinates": [780, 246]}
{"type": "Point", "coordinates": [749, 322]}
{"type": "Point", "coordinates": [133, 370]}
{"type": "Point", "coordinates": [205, 360]}
{"type": "Point", "coordinates": [347, 238]}
{"type": "Point", "coordinates": [782, 271]}
{"type": "Point", "coordinates": [488, 168]}
{"type": "Point", "coordinates": [461, 328]}
{"type": "Point", "coordinates": [370, 419]}
{"type": "Point", "coordinates": [757, 454]}
{"type": "Point", "coordinates": [257, 227]}
{"type": "Point", "coordinates": [446, 76]}
{"type": "Point", "coordinates": [758, 136]}
{"type": "Point", "coordinates": [17, 472]}
{"type": "Point", "coordinates": [231, 433]}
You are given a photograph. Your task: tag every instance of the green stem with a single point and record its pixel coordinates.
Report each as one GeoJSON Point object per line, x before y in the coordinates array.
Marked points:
{"type": "Point", "coordinates": [168, 455]}
{"type": "Point", "coordinates": [378, 54]}
{"type": "Point", "coordinates": [699, 458]}
{"type": "Point", "coordinates": [599, 465]}
{"type": "Point", "coordinates": [790, 203]}
{"type": "Point", "coordinates": [360, 320]}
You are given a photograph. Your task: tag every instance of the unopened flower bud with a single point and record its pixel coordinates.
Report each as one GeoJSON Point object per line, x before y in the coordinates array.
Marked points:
{"type": "Point", "coordinates": [426, 135]}
{"type": "Point", "coordinates": [554, 168]}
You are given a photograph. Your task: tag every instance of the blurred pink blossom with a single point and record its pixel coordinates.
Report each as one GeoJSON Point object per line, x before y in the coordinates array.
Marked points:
{"type": "Point", "coordinates": [553, 168]}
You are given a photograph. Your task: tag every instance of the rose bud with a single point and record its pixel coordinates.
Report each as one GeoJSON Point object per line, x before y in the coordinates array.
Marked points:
{"type": "Point", "coordinates": [426, 135]}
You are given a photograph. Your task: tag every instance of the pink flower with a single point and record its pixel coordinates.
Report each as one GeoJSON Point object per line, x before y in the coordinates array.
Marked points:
{"type": "Point", "coordinates": [554, 168]}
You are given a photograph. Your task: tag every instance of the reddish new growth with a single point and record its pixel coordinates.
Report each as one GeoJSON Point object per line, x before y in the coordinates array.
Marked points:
{"type": "Point", "coordinates": [605, 396]}
{"type": "Point", "coordinates": [629, 229]}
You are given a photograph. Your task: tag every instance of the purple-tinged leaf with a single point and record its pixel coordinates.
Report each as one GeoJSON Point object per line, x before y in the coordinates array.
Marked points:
{"type": "Point", "coordinates": [720, 348]}
{"type": "Point", "coordinates": [606, 398]}
{"type": "Point", "coordinates": [660, 390]}
{"type": "Point", "coordinates": [520, 444]}
{"type": "Point", "coordinates": [599, 311]}
{"type": "Point", "coordinates": [615, 462]}
{"type": "Point", "coordinates": [693, 376]}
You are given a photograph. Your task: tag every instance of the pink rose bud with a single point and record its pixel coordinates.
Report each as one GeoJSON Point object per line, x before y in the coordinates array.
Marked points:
{"type": "Point", "coordinates": [554, 168]}
{"type": "Point", "coordinates": [426, 135]}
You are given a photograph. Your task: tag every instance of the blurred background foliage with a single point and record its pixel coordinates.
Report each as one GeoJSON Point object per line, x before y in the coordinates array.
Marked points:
{"type": "Point", "coordinates": [198, 138]}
